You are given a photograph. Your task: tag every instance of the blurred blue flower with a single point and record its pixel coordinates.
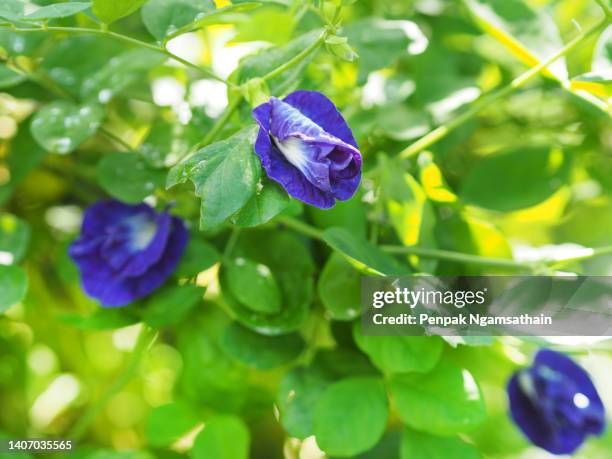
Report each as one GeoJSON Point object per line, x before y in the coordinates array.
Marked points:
{"type": "Point", "coordinates": [555, 403]}
{"type": "Point", "coordinates": [125, 252]}
{"type": "Point", "coordinates": [305, 145]}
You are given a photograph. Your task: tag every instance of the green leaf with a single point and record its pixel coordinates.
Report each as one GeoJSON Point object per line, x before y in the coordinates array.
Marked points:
{"type": "Point", "coordinates": [14, 238]}
{"type": "Point", "coordinates": [266, 61]}
{"type": "Point", "coordinates": [11, 9]}
{"type": "Point", "coordinates": [530, 35]}
{"type": "Point", "coordinates": [387, 447]}
{"type": "Point", "coordinates": [298, 394]}
{"type": "Point", "coordinates": [58, 10]}
{"type": "Point", "coordinates": [24, 156]}
{"type": "Point", "coordinates": [410, 212]}
{"type": "Point", "coordinates": [119, 73]}
{"type": "Point", "coordinates": [473, 341]}
{"type": "Point", "coordinates": [259, 351]}
{"type": "Point", "coordinates": [209, 377]}
{"type": "Point", "coordinates": [400, 354]}
{"type": "Point", "coordinates": [381, 42]}
{"type": "Point", "coordinates": [167, 423]}
{"type": "Point", "coordinates": [602, 57]}
{"type": "Point", "coordinates": [433, 181]}
{"type": "Point", "coordinates": [75, 59]}
{"type": "Point", "coordinates": [273, 25]}
{"type": "Point", "coordinates": [401, 123]}
{"type": "Point", "coordinates": [293, 274]}
{"type": "Point", "coordinates": [171, 304]}
{"type": "Point", "coordinates": [225, 176]}
{"type": "Point", "coordinates": [598, 83]}
{"type": "Point", "coordinates": [111, 454]}
{"type": "Point", "coordinates": [166, 17]}
{"type": "Point", "coordinates": [9, 78]}
{"type": "Point", "coordinates": [341, 362]}
{"type": "Point", "coordinates": [101, 319]}
{"type": "Point", "coordinates": [339, 288]}
{"type": "Point", "coordinates": [266, 204]}
{"type": "Point", "coordinates": [19, 44]}
{"type": "Point", "coordinates": [254, 285]}
{"type": "Point", "coordinates": [280, 2]}
{"type": "Point", "coordinates": [255, 91]}
{"type": "Point", "coordinates": [170, 18]}
{"type": "Point", "coordinates": [445, 401]}
{"type": "Point", "coordinates": [199, 255]}
{"type": "Point", "coordinates": [111, 10]}
{"type": "Point", "coordinates": [13, 286]}
{"type": "Point", "coordinates": [340, 48]}
{"type": "Point", "coordinates": [473, 236]}
{"type": "Point", "coordinates": [602, 77]}
{"type": "Point", "coordinates": [516, 179]}
{"type": "Point", "coordinates": [223, 437]}
{"type": "Point", "coordinates": [599, 80]}
{"type": "Point", "coordinates": [419, 445]}
{"type": "Point", "coordinates": [62, 126]}
{"type": "Point", "coordinates": [363, 254]}
{"type": "Point", "coordinates": [127, 177]}
{"type": "Point", "coordinates": [169, 141]}
{"type": "Point", "coordinates": [350, 215]}
{"type": "Point", "coordinates": [225, 14]}
{"type": "Point", "coordinates": [351, 416]}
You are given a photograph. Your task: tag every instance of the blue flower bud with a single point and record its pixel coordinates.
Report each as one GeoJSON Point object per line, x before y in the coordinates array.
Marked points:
{"type": "Point", "coordinates": [555, 403]}
{"type": "Point", "coordinates": [305, 145]}
{"type": "Point", "coordinates": [125, 252]}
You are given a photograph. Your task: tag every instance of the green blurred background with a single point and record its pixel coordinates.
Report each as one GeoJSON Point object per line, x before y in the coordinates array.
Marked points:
{"type": "Point", "coordinates": [528, 177]}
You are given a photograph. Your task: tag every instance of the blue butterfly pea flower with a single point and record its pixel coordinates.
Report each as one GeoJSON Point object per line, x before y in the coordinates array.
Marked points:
{"type": "Point", "coordinates": [125, 252]}
{"type": "Point", "coordinates": [306, 146]}
{"type": "Point", "coordinates": [555, 403]}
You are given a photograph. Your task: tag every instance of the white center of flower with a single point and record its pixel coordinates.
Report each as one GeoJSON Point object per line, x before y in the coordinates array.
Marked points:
{"type": "Point", "coordinates": [526, 384]}
{"type": "Point", "coordinates": [143, 231]}
{"type": "Point", "coordinates": [581, 400]}
{"type": "Point", "coordinates": [291, 149]}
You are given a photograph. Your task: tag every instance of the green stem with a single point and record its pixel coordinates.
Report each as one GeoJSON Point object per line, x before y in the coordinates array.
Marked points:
{"type": "Point", "coordinates": [315, 233]}
{"type": "Point", "coordinates": [220, 123]}
{"type": "Point", "coordinates": [116, 139]}
{"type": "Point", "coordinates": [231, 243]}
{"type": "Point", "coordinates": [490, 98]}
{"type": "Point", "coordinates": [301, 227]}
{"type": "Point", "coordinates": [607, 9]}
{"type": "Point", "coordinates": [124, 38]}
{"type": "Point", "coordinates": [215, 129]}
{"type": "Point", "coordinates": [458, 257]}
{"type": "Point", "coordinates": [298, 57]}
{"type": "Point", "coordinates": [600, 251]}
{"type": "Point", "coordinates": [145, 340]}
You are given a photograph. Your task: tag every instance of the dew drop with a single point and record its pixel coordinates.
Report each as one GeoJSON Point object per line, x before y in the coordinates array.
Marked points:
{"type": "Point", "coordinates": [240, 261]}
{"type": "Point", "coordinates": [105, 95]}
{"type": "Point", "coordinates": [61, 145]}
{"type": "Point", "coordinates": [263, 270]}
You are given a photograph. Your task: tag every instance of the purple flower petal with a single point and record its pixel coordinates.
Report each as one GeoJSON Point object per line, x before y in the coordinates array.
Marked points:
{"type": "Point", "coordinates": [566, 366]}
{"type": "Point", "coordinates": [555, 403]}
{"type": "Point", "coordinates": [290, 178]}
{"type": "Point", "coordinates": [100, 215]}
{"type": "Point", "coordinates": [165, 266]}
{"type": "Point", "coordinates": [322, 111]}
{"type": "Point", "coordinates": [137, 243]}
{"type": "Point", "coordinates": [310, 162]}
{"type": "Point", "coordinates": [125, 252]}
